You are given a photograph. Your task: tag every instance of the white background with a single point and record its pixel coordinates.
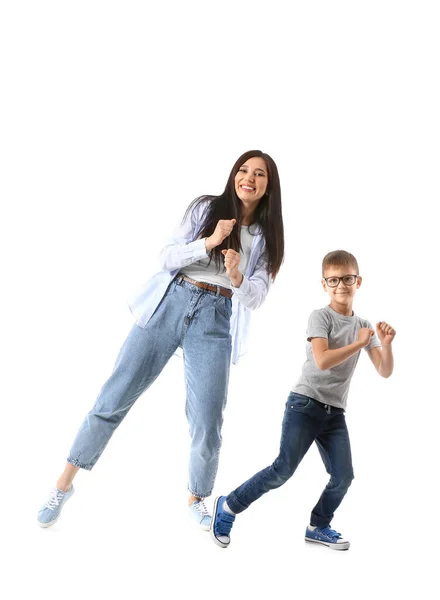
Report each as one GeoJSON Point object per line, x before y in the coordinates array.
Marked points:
{"type": "Point", "coordinates": [114, 116]}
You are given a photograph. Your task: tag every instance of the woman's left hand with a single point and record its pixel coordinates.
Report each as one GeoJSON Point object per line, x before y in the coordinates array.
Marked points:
{"type": "Point", "coordinates": [232, 260]}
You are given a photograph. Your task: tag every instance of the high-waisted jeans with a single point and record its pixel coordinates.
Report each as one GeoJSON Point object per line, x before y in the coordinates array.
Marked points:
{"type": "Point", "coordinates": [198, 321]}
{"type": "Point", "coordinates": [305, 421]}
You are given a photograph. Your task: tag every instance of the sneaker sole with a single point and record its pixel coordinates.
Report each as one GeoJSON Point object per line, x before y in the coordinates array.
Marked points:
{"type": "Point", "coordinates": [45, 525]}
{"type": "Point", "coordinates": [343, 546]}
{"type": "Point", "coordinates": [211, 529]}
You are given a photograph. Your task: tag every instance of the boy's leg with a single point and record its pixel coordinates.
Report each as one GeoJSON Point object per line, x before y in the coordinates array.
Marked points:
{"type": "Point", "coordinates": [334, 446]}
{"type": "Point", "coordinates": [302, 422]}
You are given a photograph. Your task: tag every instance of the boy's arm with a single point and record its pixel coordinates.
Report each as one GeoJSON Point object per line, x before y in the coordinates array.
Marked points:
{"type": "Point", "coordinates": [326, 359]}
{"type": "Point", "coordinates": [383, 359]}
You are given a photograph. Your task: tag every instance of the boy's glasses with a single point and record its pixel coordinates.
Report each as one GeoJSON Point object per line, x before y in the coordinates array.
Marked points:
{"type": "Point", "coordinates": [346, 280]}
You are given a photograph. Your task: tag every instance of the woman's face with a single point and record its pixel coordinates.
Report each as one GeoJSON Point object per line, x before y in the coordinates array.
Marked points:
{"type": "Point", "coordinates": [251, 181]}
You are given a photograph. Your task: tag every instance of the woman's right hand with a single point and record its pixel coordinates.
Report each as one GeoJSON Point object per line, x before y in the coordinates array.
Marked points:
{"type": "Point", "coordinates": [223, 229]}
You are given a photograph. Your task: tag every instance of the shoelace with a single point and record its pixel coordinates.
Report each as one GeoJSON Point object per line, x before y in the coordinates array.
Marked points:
{"type": "Point", "coordinates": [201, 508]}
{"type": "Point", "coordinates": [330, 533]}
{"type": "Point", "coordinates": [54, 499]}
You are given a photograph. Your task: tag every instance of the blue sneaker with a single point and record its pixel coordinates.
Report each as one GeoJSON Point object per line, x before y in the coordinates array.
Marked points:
{"type": "Point", "coordinates": [199, 512]}
{"type": "Point", "coordinates": [49, 513]}
{"type": "Point", "coordinates": [328, 537]}
{"type": "Point", "coordinates": [222, 522]}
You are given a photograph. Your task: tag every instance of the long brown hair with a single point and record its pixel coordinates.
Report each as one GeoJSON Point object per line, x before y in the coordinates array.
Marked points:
{"type": "Point", "coordinates": [268, 214]}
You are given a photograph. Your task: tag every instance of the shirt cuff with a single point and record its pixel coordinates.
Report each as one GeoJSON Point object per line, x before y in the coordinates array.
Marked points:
{"type": "Point", "coordinates": [195, 250]}
{"type": "Point", "coordinates": [244, 289]}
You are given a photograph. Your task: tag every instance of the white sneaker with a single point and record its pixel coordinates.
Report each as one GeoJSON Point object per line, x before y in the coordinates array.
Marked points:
{"type": "Point", "coordinates": [199, 513]}
{"type": "Point", "coordinates": [49, 513]}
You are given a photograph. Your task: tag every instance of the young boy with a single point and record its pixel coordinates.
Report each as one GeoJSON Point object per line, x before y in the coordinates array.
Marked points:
{"type": "Point", "coordinates": [316, 405]}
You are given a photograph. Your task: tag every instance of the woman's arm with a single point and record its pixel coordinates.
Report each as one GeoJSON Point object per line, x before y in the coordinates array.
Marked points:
{"type": "Point", "coordinates": [181, 249]}
{"type": "Point", "coordinates": [252, 291]}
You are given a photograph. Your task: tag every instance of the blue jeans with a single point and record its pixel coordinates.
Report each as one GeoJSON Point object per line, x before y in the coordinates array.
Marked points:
{"type": "Point", "coordinates": [305, 421]}
{"type": "Point", "coordinates": [198, 321]}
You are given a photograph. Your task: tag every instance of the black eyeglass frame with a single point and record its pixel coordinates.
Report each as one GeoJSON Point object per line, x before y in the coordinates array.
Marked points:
{"type": "Point", "coordinates": [341, 279]}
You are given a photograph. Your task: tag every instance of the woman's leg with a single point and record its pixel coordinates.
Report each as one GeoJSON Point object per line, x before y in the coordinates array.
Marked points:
{"type": "Point", "coordinates": [67, 477]}
{"type": "Point", "coordinates": [144, 354]}
{"type": "Point", "coordinates": [207, 354]}
{"type": "Point", "coordinates": [142, 357]}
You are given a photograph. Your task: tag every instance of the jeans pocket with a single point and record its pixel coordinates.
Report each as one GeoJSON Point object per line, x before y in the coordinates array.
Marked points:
{"type": "Point", "coordinates": [223, 305]}
{"type": "Point", "coordinates": [298, 401]}
{"type": "Point", "coordinates": [171, 288]}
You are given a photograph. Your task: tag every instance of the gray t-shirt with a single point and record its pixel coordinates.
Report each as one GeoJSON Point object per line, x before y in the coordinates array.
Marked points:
{"type": "Point", "coordinates": [331, 386]}
{"type": "Point", "coordinates": [203, 270]}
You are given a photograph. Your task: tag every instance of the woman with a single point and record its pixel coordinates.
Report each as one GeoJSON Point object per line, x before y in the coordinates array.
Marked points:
{"type": "Point", "coordinates": [217, 267]}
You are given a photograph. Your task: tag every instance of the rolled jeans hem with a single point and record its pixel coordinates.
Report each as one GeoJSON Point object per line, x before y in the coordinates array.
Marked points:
{"type": "Point", "coordinates": [235, 505]}
{"type": "Point", "coordinates": [197, 495]}
{"type": "Point", "coordinates": [76, 463]}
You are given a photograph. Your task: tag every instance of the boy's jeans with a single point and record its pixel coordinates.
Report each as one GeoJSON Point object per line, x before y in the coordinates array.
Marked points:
{"type": "Point", "coordinates": [305, 420]}
{"type": "Point", "coordinates": [198, 321]}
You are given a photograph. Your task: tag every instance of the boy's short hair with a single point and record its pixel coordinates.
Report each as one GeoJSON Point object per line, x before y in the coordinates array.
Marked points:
{"type": "Point", "coordinates": [339, 258]}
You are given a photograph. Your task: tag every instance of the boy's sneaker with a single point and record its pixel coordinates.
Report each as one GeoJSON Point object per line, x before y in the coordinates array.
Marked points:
{"type": "Point", "coordinates": [222, 522]}
{"type": "Point", "coordinates": [50, 512]}
{"type": "Point", "coordinates": [328, 537]}
{"type": "Point", "coordinates": [199, 513]}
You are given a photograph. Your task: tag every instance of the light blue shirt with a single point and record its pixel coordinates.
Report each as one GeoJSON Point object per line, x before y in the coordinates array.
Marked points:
{"type": "Point", "coordinates": [182, 250]}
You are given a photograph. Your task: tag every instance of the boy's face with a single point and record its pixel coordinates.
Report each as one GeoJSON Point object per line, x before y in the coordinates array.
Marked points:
{"type": "Point", "coordinates": [341, 292]}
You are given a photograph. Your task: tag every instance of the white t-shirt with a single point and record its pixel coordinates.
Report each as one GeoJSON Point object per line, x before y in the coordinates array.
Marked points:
{"type": "Point", "coordinates": [208, 273]}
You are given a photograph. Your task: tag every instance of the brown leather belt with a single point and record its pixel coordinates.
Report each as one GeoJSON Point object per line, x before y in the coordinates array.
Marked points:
{"type": "Point", "coordinates": [206, 286]}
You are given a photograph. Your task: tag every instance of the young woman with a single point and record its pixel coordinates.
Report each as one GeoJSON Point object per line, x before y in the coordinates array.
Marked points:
{"type": "Point", "coordinates": [216, 268]}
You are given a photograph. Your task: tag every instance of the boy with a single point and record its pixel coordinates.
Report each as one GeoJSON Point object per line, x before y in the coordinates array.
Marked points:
{"type": "Point", "coordinates": [316, 405]}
